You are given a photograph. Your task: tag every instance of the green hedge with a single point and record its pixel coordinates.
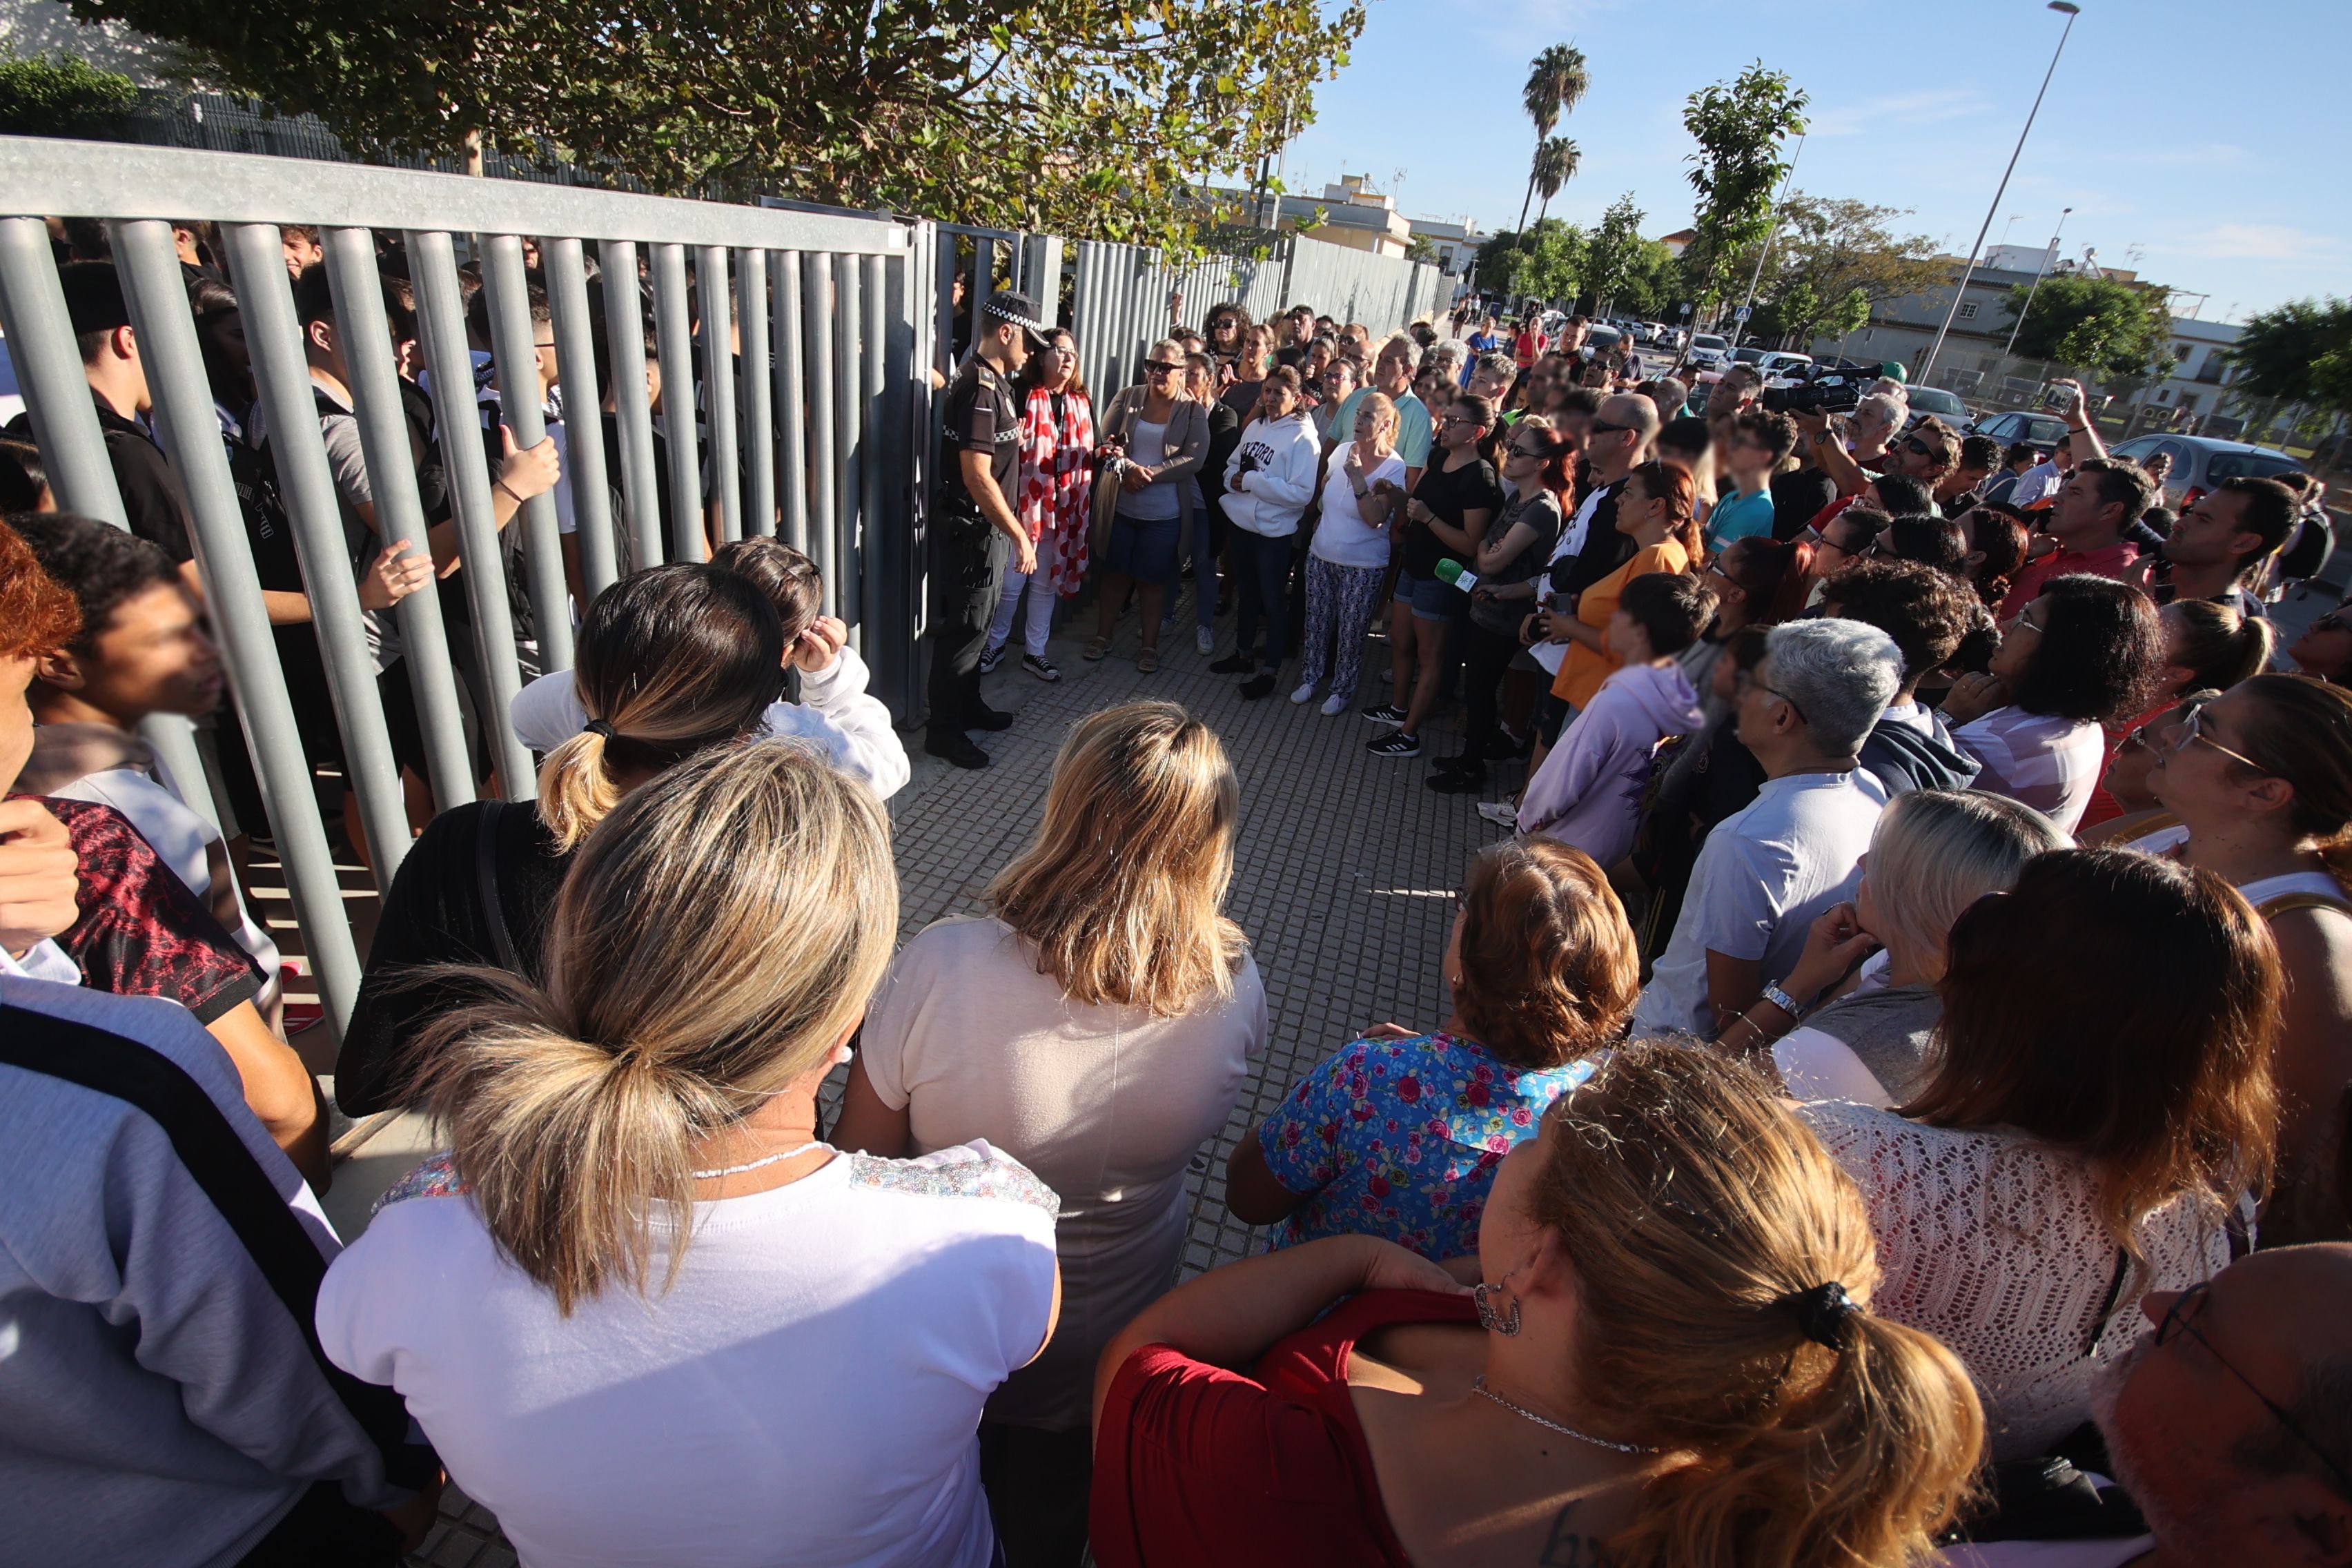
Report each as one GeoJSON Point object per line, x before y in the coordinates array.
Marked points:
{"type": "Point", "coordinates": [66, 97]}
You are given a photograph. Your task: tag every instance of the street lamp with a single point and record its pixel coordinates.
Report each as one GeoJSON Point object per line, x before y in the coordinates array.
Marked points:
{"type": "Point", "coordinates": [2047, 258]}
{"type": "Point", "coordinates": [1926, 366]}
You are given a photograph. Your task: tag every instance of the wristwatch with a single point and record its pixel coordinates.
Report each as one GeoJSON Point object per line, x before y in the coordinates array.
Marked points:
{"type": "Point", "coordinates": [1783, 1001]}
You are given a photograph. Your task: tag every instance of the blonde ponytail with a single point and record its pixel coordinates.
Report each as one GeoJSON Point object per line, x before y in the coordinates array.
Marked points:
{"type": "Point", "coordinates": [718, 935]}
{"type": "Point", "coordinates": [671, 660]}
{"type": "Point", "coordinates": [1705, 1225]}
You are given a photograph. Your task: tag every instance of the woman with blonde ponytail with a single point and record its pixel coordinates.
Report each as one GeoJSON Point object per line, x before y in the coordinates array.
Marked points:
{"type": "Point", "coordinates": [641, 1311]}
{"type": "Point", "coordinates": [671, 660]}
{"type": "Point", "coordinates": [2261, 779]}
{"type": "Point", "coordinates": [1098, 1028]}
{"type": "Point", "coordinates": [1671, 1361]}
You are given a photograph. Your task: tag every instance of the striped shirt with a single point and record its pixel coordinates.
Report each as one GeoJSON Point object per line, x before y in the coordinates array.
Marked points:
{"type": "Point", "coordinates": [2037, 759]}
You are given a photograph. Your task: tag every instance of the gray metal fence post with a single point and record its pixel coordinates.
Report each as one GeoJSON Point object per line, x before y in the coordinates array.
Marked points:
{"type": "Point", "coordinates": [48, 362]}
{"type": "Point", "coordinates": [584, 434]}
{"type": "Point", "coordinates": [875, 358]}
{"type": "Point", "coordinates": [791, 434]}
{"type": "Point", "coordinates": [817, 336]}
{"type": "Point", "coordinates": [717, 310]}
{"type": "Point", "coordinates": [441, 334]}
{"type": "Point", "coordinates": [674, 347]}
{"type": "Point", "coordinates": [624, 338]}
{"type": "Point", "coordinates": [365, 334]}
{"type": "Point", "coordinates": [849, 416]}
{"type": "Point", "coordinates": [759, 415]}
{"type": "Point", "coordinates": [513, 345]}
{"type": "Point", "coordinates": [183, 400]}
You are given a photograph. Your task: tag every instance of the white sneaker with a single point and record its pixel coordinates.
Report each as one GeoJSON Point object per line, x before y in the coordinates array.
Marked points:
{"type": "Point", "coordinates": [1205, 640]}
{"type": "Point", "coordinates": [1305, 693]}
{"type": "Point", "coordinates": [1336, 704]}
{"type": "Point", "coordinates": [994, 656]}
{"type": "Point", "coordinates": [1502, 812]}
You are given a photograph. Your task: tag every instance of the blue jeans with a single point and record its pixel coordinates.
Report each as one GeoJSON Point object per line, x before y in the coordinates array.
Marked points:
{"type": "Point", "coordinates": [1262, 566]}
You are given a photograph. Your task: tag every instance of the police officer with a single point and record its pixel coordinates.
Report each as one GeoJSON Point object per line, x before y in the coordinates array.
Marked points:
{"type": "Point", "coordinates": [976, 531]}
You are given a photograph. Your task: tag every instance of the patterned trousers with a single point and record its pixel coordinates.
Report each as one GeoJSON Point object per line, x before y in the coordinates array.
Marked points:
{"type": "Point", "coordinates": [1342, 599]}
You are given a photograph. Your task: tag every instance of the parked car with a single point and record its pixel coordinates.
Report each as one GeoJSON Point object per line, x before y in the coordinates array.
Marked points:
{"type": "Point", "coordinates": [1781, 364]}
{"type": "Point", "coordinates": [1945, 406]}
{"type": "Point", "coordinates": [1602, 337]}
{"type": "Point", "coordinates": [2041, 430]}
{"type": "Point", "coordinates": [1710, 349]}
{"type": "Point", "coordinates": [2201, 462]}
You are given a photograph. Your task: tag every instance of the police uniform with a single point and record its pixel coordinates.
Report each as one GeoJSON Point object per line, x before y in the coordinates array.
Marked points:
{"type": "Point", "coordinates": [968, 552]}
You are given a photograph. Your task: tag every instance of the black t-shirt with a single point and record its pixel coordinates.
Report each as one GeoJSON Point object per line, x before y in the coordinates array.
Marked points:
{"type": "Point", "coordinates": [1798, 498]}
{"type": "Point", "coordinates": [1451, 494]}
{"type": "Point", "coordinates": [980, 418]}
{"type": "Point", "coordinates": [153, 504]}
{"type": "Point", "coordinates": [435, 914]}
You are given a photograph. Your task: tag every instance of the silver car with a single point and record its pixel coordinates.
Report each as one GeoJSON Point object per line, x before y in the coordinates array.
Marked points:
{"type": "Point", "coordinates": [2200, 462]}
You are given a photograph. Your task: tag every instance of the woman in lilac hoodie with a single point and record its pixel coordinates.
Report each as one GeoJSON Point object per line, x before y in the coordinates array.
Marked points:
{"type": "Point", "coordinates": [1589, 791]}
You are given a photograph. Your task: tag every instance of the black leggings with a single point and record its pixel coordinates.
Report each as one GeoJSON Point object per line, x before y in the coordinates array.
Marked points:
{"type": "Point", "coordinates": [1484, 660]}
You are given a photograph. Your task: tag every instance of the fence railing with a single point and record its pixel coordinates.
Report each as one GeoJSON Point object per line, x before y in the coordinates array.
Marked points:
{"type": "Point", "coordinates": [811, 419]}
{"type": "Point", "coordinates": [789, 355]}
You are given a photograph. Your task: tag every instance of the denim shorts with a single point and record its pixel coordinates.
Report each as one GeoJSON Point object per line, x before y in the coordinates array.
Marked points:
{"type": "Point", "coordinates": [1430, 599]}
{"type": "Point", "coordinates": [1144, 550]}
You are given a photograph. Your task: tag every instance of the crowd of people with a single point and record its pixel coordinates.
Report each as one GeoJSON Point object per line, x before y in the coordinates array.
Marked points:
{"type": "Point", "coordinates": [1893, 1099]}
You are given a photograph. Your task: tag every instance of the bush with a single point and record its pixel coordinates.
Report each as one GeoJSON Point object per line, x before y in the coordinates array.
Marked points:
{"type": "Point", "coordinates": [66, 97]}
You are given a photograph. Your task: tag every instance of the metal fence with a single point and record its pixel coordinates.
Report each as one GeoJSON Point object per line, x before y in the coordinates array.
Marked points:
{"type": "Point", "coordinates": [1128, 296]}
{"type": "Point", "coordinates": [813, 414]}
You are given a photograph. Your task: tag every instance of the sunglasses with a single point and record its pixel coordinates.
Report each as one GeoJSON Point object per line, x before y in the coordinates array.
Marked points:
{"type": "Point", "coordinates": [2333, 621]}
{"type": "Point", "coordinates": [2180, 1318]}
{"type": "Point", "coordinates": [1603, 427]}
{"type": "Point", "coordinates": [1158, 367]}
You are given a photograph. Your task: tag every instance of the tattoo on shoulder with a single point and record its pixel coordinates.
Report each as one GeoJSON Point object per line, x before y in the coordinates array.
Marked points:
{"type": "Point", "coordinates": [1565, 1546]}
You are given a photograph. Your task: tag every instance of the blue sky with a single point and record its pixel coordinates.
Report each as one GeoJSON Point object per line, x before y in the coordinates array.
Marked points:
{"type": "Point", "coordinates": [2206, 135]}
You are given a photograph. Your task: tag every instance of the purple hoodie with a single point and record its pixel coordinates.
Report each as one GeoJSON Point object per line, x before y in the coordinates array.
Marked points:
{"type": "Point", "coordinates": [1589, 791]}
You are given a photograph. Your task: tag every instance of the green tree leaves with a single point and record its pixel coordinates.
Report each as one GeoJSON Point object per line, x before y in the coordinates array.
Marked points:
{"type": "Point", "coordinates": [2299, 352]}
{"type": "Point", "coordinates": [1738, 128]}
{"type": "Point", "coordinates": [2095, 323]}
{"type": "Point", "coordinates": [1556, 80]}
{"type": "Point", "coordinates": [1090, 118]}
{"type": "Point", "coordinates": [64, 97]}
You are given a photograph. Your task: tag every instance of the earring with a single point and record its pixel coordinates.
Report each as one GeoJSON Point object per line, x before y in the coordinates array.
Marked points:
{"type": "Point", "coordinates": [1493, 1321]}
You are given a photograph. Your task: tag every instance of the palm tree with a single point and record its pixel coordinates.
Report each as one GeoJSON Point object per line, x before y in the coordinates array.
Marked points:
{"type": "Point", "coordinates": [1557, 158]}
{"type": "Point", "coordinates": [1556, 81]}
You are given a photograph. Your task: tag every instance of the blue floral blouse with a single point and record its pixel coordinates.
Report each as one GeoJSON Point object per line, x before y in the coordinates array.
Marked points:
{"type": "Point", "coordinates": [1399, 1139]}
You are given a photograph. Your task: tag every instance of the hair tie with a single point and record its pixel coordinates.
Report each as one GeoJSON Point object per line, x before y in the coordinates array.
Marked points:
{"type": "Point", "coordinates": [598, 727]}
{"type": "Point", "coordinates": [1822, 1312]}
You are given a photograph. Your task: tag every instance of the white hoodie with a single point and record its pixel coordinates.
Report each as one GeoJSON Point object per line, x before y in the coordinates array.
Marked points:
{"type": "Point", "coordinates": [833, 711]}
{"type": "Point", "coordinates": [1589, 791]}
{"type": "Point", "coordinates": [1273, 495]}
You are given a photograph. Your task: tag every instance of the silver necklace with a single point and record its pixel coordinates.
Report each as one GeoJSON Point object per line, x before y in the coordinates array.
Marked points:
{"type": "Point", "coordinates": [756, 1164]}
{"type": "Point", "coordinates": [1478, 1385]}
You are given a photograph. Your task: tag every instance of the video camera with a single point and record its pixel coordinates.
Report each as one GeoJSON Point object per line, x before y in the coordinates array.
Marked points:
{"type": "Point", "coordinates": [1836, 393]}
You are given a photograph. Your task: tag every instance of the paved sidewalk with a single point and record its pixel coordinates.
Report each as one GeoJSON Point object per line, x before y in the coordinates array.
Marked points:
{"type": "Point", "coordinates": [1344, 877]}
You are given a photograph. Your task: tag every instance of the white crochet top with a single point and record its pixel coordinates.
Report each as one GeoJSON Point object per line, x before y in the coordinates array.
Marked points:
{"type": "Point", "coordinates": [1990, 1241]}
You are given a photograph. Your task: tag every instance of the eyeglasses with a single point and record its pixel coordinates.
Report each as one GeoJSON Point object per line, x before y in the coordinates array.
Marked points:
{"type": "Point", "coordinates": [1744, 683]}
{"type": "Point", "coordinates": [2193, 730]}
{"type": "Point", "coordinates": [2180, 1319]}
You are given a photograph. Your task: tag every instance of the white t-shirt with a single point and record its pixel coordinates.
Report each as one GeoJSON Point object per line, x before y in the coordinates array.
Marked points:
{"type": "Point", "coordinates": [805, 1392]}
{"type": "Point", "coordinates": [1815, 1066]}
{"type": "Point", "coordinates": [1342, 537]}
{"type": "Point", "coordinates": [1108, 1105]}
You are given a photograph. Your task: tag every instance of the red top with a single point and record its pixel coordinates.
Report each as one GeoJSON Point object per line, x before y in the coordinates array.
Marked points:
{"type": "Point", "coordinates": [2109, 560]}
{"type": "Point", "coordinates": [1196, 1465]}
{"type": "Point", "coordinates": [1528, 347]}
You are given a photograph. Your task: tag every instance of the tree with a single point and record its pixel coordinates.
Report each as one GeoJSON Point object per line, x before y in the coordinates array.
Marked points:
{"type": "Point", "coordinates": [1093, 118]}
{"type": "Point", "coordinates": [1738, 129]}
{"type": "Point", "coordinates": [1557, 161]}
{"type": "Point", "coordinates": [1419, 248]}
{"type": "Point", "coordinates": [1612, 253]}
{"type": "Point", "coordinates": [1827, 251]}
{"type": "Point", "coordinates": [1556, 80]}
{"type": "Point", "coordinates": [63, 96]}
{"type": "Point", "coordinates": [1653, 286]}
{"type": "Point", "coordinates": [1543, 263]}
{"type": "Point", "coordinates": [2094, 324]}
{"type": "Point", "coordinates": [2295, 353]}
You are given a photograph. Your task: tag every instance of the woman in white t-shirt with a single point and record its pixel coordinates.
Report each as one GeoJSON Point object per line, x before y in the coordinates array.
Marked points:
{"type": "Point", "coordinates": [1933, 854]}
{"type": "Point", "coordinates": [2100, 1101]}
{"type": "Point", "coordinates": [1097, 1027]}
{"type": "Point", "coordinates": [641, 1312]}
{"type": "Point", "coordinates": [1349, 555]}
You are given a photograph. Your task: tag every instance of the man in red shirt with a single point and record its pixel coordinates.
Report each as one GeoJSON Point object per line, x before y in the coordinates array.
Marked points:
{"type": "Point", "coordinates": [2100, 499]}
{"type": "Point", "coordinates": [1528, 345]}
